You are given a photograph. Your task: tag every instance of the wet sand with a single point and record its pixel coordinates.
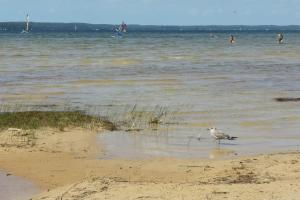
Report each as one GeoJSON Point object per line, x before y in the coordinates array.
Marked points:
{"type": "Point", "coordinates": [65, 165]}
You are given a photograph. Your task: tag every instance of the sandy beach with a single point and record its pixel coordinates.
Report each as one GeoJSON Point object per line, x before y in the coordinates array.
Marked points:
{"type": "Point", "coordinates": [150, 100]}
{"type": "Point", "coordinates": [64, 165]}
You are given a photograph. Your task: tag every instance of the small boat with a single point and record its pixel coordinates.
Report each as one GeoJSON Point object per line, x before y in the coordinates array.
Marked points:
{"type": "Point", "coordinates": [26, 30]}
{"type": "Point", "coordinates": [120, 30]}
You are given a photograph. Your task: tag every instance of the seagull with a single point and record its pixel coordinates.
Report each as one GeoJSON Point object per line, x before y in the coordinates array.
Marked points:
{"type": "Point", "coordinates": [218, 135]}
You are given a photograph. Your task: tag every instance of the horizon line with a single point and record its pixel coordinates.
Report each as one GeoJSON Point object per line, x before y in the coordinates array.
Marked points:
{"type": "Point", "coordinates": [153, 24]}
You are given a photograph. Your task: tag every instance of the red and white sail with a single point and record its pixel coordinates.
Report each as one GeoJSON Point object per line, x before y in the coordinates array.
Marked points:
{"type": "Point", "coordinates": [123, 27]}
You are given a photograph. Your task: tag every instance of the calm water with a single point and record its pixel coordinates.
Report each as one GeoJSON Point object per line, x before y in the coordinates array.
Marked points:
{"type": "Point", "coordinates": [15, 188]}
{"type": "Point", "coordinates": [204, 82]}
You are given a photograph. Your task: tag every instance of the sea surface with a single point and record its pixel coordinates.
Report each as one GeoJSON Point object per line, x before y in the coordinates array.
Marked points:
{"type": "Point", "coordinates": [196, 80]}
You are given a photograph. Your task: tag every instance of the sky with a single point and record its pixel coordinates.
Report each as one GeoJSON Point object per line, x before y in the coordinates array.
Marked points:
{"type": "Point", "coordinates": [155, 12]}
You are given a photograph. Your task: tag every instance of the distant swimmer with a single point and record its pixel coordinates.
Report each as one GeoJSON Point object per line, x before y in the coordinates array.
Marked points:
{"type": "Point", "coordinates": [211, 35]}
{"type": "Point", "coordinates": [280, 38]}
{"type": "Point", "coordinates": [231, 39]}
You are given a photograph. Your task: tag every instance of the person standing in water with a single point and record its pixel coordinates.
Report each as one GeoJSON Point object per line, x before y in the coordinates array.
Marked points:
{"type": "Point", "coordinates": [280, 38]}
{"type": "Point", "coordinates": [231, 39]}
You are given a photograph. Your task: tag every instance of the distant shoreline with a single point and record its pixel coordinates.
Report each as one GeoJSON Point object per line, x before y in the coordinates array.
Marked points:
{"type": "Point", "coordinates": [16, 27]}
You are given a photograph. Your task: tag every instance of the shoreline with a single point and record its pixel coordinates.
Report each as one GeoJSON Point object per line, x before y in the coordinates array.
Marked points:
{"type": "Point", "coordinates": [65, 164]}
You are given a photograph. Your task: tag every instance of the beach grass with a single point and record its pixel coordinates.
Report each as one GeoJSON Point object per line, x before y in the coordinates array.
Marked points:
{"type": "Point", "coordinates": [53, 119]}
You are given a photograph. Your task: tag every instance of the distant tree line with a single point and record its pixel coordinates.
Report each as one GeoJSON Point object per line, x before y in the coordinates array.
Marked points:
{"type": "Point", "coordinates": [15, 27]}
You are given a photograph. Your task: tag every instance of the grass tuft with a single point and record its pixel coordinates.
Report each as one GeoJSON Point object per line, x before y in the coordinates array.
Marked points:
{"type": "Point", "coordinates": [53, 119]}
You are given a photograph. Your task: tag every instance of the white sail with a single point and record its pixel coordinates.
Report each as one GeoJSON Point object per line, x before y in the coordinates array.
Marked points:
{"type": "Point", "coordinates": [27, 23]}
{"type": "Point", "coordinates": [26, 28]}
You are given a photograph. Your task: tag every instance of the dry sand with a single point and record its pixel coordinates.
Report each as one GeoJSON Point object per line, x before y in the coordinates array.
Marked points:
{"type": "Point", "coordinates": [65, 166]}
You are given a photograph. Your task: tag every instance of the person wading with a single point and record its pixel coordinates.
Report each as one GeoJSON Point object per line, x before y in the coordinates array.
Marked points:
{"type": "Point", "coordinates": [231, 39]}
{"type": "Point", "coordinates": [280, 38]}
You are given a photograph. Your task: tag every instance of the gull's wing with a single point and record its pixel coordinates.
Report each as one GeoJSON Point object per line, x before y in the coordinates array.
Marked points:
{"type": "Point", "coordinates": [220, 135]}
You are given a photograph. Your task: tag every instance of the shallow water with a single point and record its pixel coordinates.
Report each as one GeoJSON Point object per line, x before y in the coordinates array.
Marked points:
{"type": "Point", "coordinates": [175, 144]}
{"type": "Point", "coordinates": [15, 188]}
{"type": "Point", "coordinates": [203, 81]}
